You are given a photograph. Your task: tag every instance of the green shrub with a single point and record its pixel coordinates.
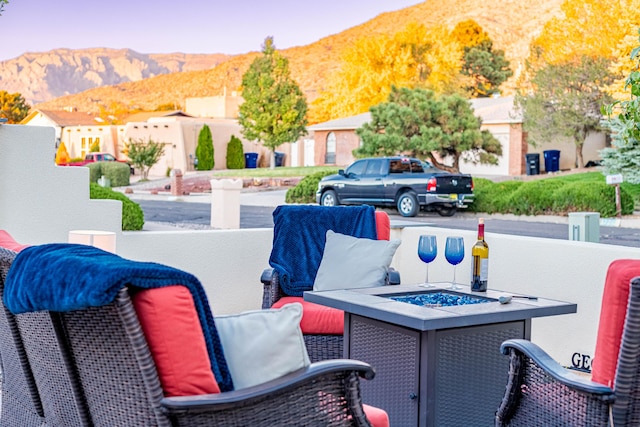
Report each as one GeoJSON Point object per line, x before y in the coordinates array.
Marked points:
{"type": "Point", "coordinates": [204, 150]}
{"type": "Point", "coordinates": [117, 172]}
{"type": "Point", "coordinates": [132, 214]}
{"type": "Point", "coordinates": [591, 197]}
{"type": "Point", "coordinates": [235, 153]}
{"type": "Point", "coordinates": [492, 197]}
{"type": "Point", "coordinates": [305, 191]}
{"type": "Point", "coordinates": [534, 198]}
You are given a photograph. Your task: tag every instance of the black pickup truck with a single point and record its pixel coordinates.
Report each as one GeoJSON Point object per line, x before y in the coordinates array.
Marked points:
{"type": "Point", "coordinates": [408, 184]}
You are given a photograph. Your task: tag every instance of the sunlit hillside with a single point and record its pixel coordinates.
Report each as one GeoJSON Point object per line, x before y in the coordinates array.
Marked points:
{"type": "Point", "coordinates": [512, 24]}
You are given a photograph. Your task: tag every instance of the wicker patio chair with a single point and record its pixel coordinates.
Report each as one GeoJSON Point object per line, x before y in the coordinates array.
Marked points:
{"type": "Point", "coordinates": [540, 392]}
{"type": "Point", "coordinates": [21, 405]}
{"type": "Point", "coordinates": [321, 346]}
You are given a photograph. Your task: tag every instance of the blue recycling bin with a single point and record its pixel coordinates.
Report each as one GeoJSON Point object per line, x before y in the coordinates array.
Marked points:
{"type": "Point", "coordinates": [250, 160]}
{"type": "Point", "coordinates": [279, 158]}
{"type": "Point", "coordinates": [551, 160]}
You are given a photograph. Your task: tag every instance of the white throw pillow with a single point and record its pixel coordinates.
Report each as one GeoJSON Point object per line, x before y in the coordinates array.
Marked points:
{"type": "Point", "coordinates": [262, 345]}
{"type": "Point", "coordinates": [349, 262]}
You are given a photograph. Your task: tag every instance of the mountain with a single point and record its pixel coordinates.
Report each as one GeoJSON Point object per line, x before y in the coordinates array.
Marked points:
{"type": "Point", "coordinates": [44, 76]}
{"type": "Point", "coordinates": [512, 24]}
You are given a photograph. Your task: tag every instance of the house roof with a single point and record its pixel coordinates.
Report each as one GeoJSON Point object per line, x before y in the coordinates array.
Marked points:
{"type": "Point", "coordinates": [64, 118]}
{"type": "Point", "coordinates": [491, 110]}
{"type": "Point", "coordinates": [146, 115]}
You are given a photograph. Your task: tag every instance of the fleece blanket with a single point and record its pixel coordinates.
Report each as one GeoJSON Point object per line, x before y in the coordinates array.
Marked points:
{"type": "Point", "coordinates": [299, 236]}
{"type": "Point", "coordinates": [65, 277]}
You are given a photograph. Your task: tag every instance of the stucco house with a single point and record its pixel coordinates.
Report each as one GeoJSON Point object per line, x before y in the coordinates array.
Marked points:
{"type": "Point", "coordinates": [334, 141]}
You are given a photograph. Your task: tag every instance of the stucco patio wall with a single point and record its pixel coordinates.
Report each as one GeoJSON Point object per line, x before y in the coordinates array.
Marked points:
{"type": "Point", "coordinates": [40, 203]}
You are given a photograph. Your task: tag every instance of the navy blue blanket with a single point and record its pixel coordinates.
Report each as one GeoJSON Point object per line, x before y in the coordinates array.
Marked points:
{"type": "Point", "coordinates": [299, 235]}
{"type": "Point", "coordinates": [66, 277]}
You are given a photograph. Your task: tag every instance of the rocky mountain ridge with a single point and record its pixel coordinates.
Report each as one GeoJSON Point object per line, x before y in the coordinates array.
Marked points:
{"type": "Point", "coordinates": [44, 76]}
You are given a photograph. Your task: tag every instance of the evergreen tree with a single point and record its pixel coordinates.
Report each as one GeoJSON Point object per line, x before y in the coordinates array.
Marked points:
{"type": "Point", "coordinates": [274, 109]}
{"type": "Point", "coordinates": [418, 123]}
{"type": "Point", "coordinates": [235, 153]}
{"type": "Point", "coordinates": [204, 150]}
{"type": "Point", "coordinates": [623, 121]}
{"type": "Point", "coordinates": [487, 68]}
{"type": "Point", "coordinates": [13, 107]}
{"type": "Point", "coordinates": [566, 101]}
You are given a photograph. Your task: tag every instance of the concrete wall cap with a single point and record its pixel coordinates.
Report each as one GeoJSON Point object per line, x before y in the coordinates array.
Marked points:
{"type": "Point", "coordinates": [226, 184]}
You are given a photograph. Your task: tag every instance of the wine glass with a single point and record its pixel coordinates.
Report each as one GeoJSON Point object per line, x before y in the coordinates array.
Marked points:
{"type": "Point", "coordinates": [454, 253]}
{"type": "Point", "coordinates": [427, 251]}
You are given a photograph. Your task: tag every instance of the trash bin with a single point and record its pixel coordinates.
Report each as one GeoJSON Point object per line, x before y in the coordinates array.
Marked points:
{"type": "Point", "coordinates": [250, 160]}
{"type": "Point", "coordinates": [533, 163]}
{"type": "Point", "coordinates": [551, 160]}
{"type": "Point", "coordinates": [279, 158]}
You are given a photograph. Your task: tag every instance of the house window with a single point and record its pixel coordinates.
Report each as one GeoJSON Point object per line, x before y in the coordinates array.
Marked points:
{"type": "Point", "coordinates": [330, 156]}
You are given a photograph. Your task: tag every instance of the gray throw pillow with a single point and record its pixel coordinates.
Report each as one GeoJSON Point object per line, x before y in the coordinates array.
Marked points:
{"type": "Point", "coordinates": [349, 262]}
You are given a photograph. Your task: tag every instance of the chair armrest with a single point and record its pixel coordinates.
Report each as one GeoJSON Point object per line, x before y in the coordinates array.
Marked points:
{"type": "Point", "coordinates": [271, 291]}
{"type": "Point", "coordinates": [535, 381]}
{"type": "Point", "coordinates": [317, 386]}
{"type": "Point", "coordinates": [393, 276]}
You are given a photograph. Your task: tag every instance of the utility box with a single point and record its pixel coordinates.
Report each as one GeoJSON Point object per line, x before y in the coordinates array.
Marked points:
{"type": "Point", "coordinates": [584, 226]}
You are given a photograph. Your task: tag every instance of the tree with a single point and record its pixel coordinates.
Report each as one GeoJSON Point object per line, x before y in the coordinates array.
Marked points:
{"type": "Point", "coordinates": [486, 68]}
{"type": "Point", "coordinates": [566, 101]}
{"type": "Point", "coordinates": [13, 107]}
{"type": "Point", "coordinates": [274, 108]}
{"type": "Point", "coordinates": [235, 153]}
{"type": "Point", "coordinates": [420, 124]}
{"type": "Point", "coordinates": [414, 57]}
{"type": "Point", "coordinates": [2, 3]}
{"type": "Point", "coordinates": [623, 120]}
{"type": "Point", "coordinates": [204, 150]}
{"type": "Point", "coordinates": [144, 155]}
{"type": "Point", "coordinates": [62, 155]}
{"type": "Point", "coordinates": [95, 147]}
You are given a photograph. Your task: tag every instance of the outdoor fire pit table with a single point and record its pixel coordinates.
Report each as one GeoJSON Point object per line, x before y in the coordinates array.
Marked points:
{"type": "Point", "coordinates": [438, 363]}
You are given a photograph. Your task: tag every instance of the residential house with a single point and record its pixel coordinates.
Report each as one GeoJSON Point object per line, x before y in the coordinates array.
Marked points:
{"type": "Point", "coordinates": [335, 140]}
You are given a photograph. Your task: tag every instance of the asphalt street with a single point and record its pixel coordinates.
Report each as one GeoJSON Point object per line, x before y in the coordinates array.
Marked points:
{"type": "Point", "coordinates": [256, 212]}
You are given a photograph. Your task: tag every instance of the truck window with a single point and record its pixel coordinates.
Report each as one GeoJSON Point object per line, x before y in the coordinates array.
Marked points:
{"type": "Point", "coordinates": [374, 167]}
{"type": "Point", "coordinates": [398, 166]}
{"type": "Point", "coordinates": [357, 168]}
{"type": "Point", "coordinates": [416, 166]}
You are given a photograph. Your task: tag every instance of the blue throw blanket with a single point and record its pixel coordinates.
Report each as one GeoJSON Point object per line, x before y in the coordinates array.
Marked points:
{"type": "Point", "coordinates": [299, 235]}
{"type": "Point", "coordinates": [66, 277]}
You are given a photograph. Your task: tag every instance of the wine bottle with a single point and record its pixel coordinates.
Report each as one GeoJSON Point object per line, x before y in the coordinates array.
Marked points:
{"type": "Point", "coordinates": [480, 264]}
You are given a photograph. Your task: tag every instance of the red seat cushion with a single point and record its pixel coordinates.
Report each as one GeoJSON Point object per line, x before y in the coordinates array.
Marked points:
{"type": "Point", "coordinates": [8, 242]}
{"type": "Point", "coordinates": [316, 319]}
{"type": "Point", "coordinates": [615, 300]}
{"type": "Point", "coordinates": [172, 328]}
{"type": "Point", "coordinates": [383, 225]}
{"type": "Point", "coordinates": [376, 416]}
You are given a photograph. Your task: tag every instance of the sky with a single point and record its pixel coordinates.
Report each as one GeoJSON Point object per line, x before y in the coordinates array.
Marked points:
{"type": "Point", "coordinates": [188, 26]}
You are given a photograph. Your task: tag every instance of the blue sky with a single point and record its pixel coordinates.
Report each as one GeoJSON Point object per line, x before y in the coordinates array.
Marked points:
{"type": "Point", "coordinates": [189, 26]}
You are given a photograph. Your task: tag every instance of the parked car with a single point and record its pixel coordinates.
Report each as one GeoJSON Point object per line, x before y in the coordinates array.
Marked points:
{"type": "Point", "coordinates": [98, 157]}
{"type": "Point", "coordinates": [409, 184]}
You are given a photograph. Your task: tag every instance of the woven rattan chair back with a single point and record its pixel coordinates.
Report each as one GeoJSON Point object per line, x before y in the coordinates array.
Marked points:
{"type": "Point", "coordinates": [21, 405]}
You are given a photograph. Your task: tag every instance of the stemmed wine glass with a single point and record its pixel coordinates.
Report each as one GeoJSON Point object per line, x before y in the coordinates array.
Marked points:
{"type": "Point", "coordinates": [454, 252]}
{"type": "Point", "coordinates": [427, 251]}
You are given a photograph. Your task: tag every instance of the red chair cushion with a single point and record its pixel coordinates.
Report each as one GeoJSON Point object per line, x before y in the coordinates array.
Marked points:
{"type": "Point", "coordinates": [376, 416]}
{"type": "Point", "coordinates": [615, 300]}
{"type": "Point", "coordinates": [171, 326]}
{"type": "Point", "coordinates": [383, 225]}
{"type": "Point", "coordinates": [8, 242]}
{"type": "Point", "coordinates": [316, 319]}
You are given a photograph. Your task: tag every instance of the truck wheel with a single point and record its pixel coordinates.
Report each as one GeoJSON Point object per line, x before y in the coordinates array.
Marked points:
{"type": "Point", "coordinates": [408, 204]}
{"type": "Point", "coordinates": [329, 198]}
{"type": "Point", "coordinates": [446, 210]}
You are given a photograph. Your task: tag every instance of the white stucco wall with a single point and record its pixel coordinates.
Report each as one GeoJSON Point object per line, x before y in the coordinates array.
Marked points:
{"type": "Point", "coordinates": [40, 203]}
